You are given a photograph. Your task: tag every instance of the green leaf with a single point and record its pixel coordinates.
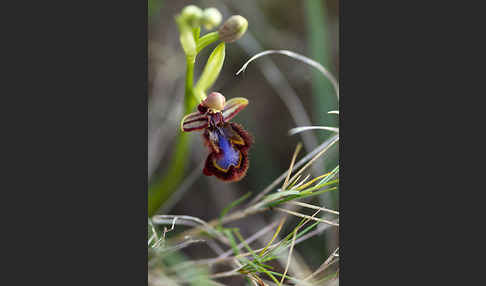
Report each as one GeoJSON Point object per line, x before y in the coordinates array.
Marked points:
{"type": "Point", "coordinates": [285, 242]}
{"type": "Point", "coordinates": [212, 69]}
{"type": "Point", "coordinates": [304, 194]}
{"type": "Point", "coordinates": [279, 195]}
{"type": "Point", "coordinates": [240, 237]}
{"type": "Point", "coordinates": [229, 234]}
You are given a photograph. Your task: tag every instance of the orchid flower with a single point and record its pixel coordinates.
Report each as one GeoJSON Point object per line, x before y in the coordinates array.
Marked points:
{"type": "Point", "coordinates": [227, 141]}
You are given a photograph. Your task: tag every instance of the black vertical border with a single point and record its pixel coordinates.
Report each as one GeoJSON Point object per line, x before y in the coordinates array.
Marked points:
{"type": "Point", "coordinates": [81, 207]}
{"type": "Point", "coordinates": [400, 81]}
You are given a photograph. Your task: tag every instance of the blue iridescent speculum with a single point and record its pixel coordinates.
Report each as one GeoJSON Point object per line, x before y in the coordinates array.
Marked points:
{"type": "Point", "coordinates": [231, 155]}
{"type": "Point", "coordinates": [227, 141]}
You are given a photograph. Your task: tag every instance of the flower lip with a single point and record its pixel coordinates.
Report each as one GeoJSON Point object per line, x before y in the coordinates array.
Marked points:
{"type": "Point", "coordinates": [228, 145]}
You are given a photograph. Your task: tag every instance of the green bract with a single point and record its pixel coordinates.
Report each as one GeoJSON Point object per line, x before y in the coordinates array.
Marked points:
{"type": "Point", "coordinates": [211, 71]}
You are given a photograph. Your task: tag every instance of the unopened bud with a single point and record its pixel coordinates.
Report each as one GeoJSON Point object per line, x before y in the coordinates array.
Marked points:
{"type": "Point", "coordinates": [192, 15]}
{"type": "Point", "coordinates": [233, 29]}
{"type": "Point", "coordinates": [215, 100]}
{"type": "Point", "coordinates": [211, 18]}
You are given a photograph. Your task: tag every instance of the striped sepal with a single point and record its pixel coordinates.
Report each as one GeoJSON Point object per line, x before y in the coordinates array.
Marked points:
{"type": "Point", "coordinates": [194, 121]}
{"type": "Point", "coordinates": [233, 106]}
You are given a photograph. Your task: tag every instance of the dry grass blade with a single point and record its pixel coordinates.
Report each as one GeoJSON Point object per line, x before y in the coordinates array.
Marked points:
{"type": "Point", "coordinates": [250, 239]}
{"type": "Point", "coordinates": [307, 217]}
{"type": "Point", "coordinates": [334, 140]}
{"type": "Point", "coordinates": [183, 245]}
{"type": "Point", "coordinates": [233, 272]}
{"type": "Point", "coordinates": [301, 58]}
{"type": "Point", "coordinates": [154, 232]}
{"type": "Point", "coordinates": [171, 228]}
{"type": "Point", "coordinates": [305, 128]}
{"type": "Point", "coordinates": [215, 283]}
{"type": "Point", "coordinates": [323, 146]}
{"type": "Point", "coordinates": [323, 265]}
{"type": "Point", "coordinates": [301, 187]}
{"type": "Point", "coordinates": [150, 239]}
{"type": "Point", "coordinates": [290, 257]}
{"type": "Point", "coordinates": [162, 219]}
{"type": "Point", "coordinates": [296, 152]}
{"type": "Point", "coordinates": [162, 239]}
{"type": "Point", "coordinates": [297, 186]}
{"type": "Point", "coordinates": [315, 207]}
{"type": "Point", "coordinates": [282, 221]}
{"type": "Point", "coordinates": [320, 229]}
{"type": "Point", "coordinates": [182, 222]}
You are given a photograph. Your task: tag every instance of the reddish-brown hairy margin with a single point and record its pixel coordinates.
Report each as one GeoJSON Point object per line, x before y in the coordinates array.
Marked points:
{"type": "Point", "coordinates": [233, 174]}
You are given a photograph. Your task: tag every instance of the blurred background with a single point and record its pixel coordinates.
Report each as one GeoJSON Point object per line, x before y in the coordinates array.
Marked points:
{"type": "Point", "coordinates": [283, 94]}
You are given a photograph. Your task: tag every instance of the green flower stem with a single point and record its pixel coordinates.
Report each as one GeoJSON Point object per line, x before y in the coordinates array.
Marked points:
{"type": "Point", "coordinates": [206, 40]}
{"type": "Point", "coordinates": [196, 32]}
{"type": "Point", "coordinates": [162, 189]}
{"type": "Point", "coordinates": [189, 100]}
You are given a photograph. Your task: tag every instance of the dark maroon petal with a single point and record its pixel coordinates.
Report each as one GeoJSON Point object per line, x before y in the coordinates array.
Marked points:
{"type": "Point", "coordinates": [226, 146]}
{"type": "Point", "coordinates": [247, 138]}
{"type": "Point", "coordinates": [194, 121]}
{"type": "Point", "coordinates": [233, 106]}
{"type": "Point", "coordinates": [233, 174]}
{"type": "Point", "coordinates": [202, 109]}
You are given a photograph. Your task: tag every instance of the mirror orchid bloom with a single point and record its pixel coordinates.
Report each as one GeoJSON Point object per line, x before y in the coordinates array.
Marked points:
{"type": "Point", "coordinates": [227, 141]}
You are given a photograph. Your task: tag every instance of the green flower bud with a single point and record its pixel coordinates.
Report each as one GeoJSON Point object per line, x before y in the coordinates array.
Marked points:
{"type": "Point", "coordinates": [233, 29]}
{"type": "Point", "coordinates": [211, 18]}
{"type": "Point", "coordinates": [192, 15]}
